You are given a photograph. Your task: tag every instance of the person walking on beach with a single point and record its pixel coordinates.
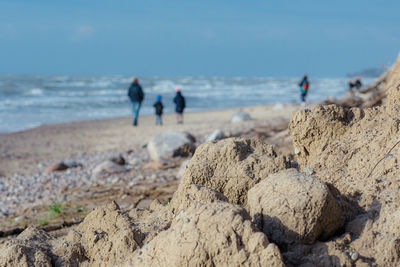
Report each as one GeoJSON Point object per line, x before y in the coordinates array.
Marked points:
{"type": "Point", "coordinates": [351, 85]}
{"type": "Point", "coordinates": [159, 110]}
{"type": "Point", "coordinates": [304, 85]}
{"type": "Point", "coordinates": [358, 83]}
{"type": "Point", "coordinates": [136, 95]}
{"type": "Point", "coordinates": [179, 101]}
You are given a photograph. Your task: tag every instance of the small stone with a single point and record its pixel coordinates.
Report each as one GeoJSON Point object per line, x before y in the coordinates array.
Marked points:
{"type": "Point", "coordinates": [186, 220]}
{"type": "Point", "coordinates": [354, 256]}
{"type": "Point", "coordinates": [96, 237]}
{"type": "Point", "coordinates": [240, 117]}
{"type": "Point", "coordinates": [119, 160]}
{"type": "Point", "coordinates": [61, 166]}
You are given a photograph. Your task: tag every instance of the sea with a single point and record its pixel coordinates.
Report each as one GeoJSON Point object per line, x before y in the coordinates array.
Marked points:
{"type": "Point", "coordinates": [27, 101]}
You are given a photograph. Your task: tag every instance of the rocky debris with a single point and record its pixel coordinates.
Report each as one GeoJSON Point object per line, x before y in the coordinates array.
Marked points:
{"type": "Point", "coordinates": [240, 117]}
{"type": "Point", "coordinates": [231, 166]}
{"type": "Point", "coordinates": [217, 234]}
{"type": "Point", "coordinates": [108, 167]}
{"type": "Point", "coordinates": [118, 159]}
{"type": "Point", "coordinates": [171, 144]}
{"type": "Point", "coordinates": [293, 207]}
{"type": "Point", "coordinates": [216, 135]}
{"type": "Point", "coordinates": [192, 194]}
{"type": "Point", "coordinates": [34, 247]}
{"type": "Point", "coordinates": [61, 166]}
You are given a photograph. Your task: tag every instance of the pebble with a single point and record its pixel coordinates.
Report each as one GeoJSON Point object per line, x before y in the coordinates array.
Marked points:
{"type": "Point", "coordinates": [354, 255]}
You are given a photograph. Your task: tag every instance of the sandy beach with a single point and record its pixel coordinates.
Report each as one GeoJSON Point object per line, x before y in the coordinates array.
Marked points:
{"type": "Point", "coordinates": [27, 190]}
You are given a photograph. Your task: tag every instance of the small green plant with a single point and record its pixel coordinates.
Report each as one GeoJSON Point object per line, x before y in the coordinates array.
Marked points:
{"type": "Point", "coordinates": [80, 208]}
{"type": "Point", "coordinates": [55, 209]}
{"type": "Point", "coordinates": [44, 221]}
{"type": "Point", "coordinates": [165, 203]}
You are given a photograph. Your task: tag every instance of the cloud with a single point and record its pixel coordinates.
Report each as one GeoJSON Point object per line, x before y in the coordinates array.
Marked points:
{"type": "Point", "coordinates": [82, 33]}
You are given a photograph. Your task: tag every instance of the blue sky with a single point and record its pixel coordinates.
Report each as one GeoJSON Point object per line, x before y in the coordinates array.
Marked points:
{"type": "Point", "coordinates": [210, 38]}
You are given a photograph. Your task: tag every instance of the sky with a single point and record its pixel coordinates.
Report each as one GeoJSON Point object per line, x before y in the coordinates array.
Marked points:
{"type": "Point", "coordinates": [197, 38]}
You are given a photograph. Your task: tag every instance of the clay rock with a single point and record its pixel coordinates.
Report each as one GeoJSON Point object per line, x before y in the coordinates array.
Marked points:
{"type": "Point", "coordinates": [34, 247]}
{"type": "Point", "coordinates": [231, 166]}
{"type": "Point", "coordinates": [216, 135]}
{"type": "Point", "coordinates": [61, 166]}
{"type": "Point", "coordinates": [240, 117]}
{"type": "Point", "coordinates": [108, 167]}
{"type": "Point", "coordinates": [171, 144]}
{"type": "Point", "coordinates": [312, 129]}
{"type": "Point", "coordinates": [290, 206]}
{"type": "Point", "coordinates": [218, 234]}
{"type": "Point", "coordinates": [107, 235]}
{"type": "Point", "coordinates": [193, 194]}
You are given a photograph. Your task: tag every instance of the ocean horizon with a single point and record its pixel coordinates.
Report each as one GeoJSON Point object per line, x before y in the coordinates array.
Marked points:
{"type": "Point", "coordinates": [28, 101]}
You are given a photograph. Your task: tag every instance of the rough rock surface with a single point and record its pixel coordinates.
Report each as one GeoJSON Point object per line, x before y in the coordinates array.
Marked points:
{"type": "Point", "coordinates": [107, 235]}
{"type": "Point", "coordinates": [290, 207]}
{"type": "Point", "coordinates": [34, 247]}
{"type": "Point", "coordinates": [194, 193]}
{"type": "Point", "coordinates": [240, 116]}
{"type": "Point", "coordinates": [171, 144]}
{"type": "Point", "coordinates": [357, 151]}
{"type": "Point", "coordinates": [218, 234]}
{"type": "Point", "coordinates": [231, 166]}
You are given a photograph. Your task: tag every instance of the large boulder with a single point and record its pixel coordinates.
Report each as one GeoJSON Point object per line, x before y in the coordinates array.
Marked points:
{"type": "Point", "coordinates": [171, 144]}
{"type": "Point", "coordinates": [240, 117]}
{"type": "Point", "coordinates": [231, 166]}
{"type": "Point", "coordinates": [218, 234]}
{"type": "Point", "coordinates": [290, 207]}
{"type": "Point", "coordinates": [216, 135]}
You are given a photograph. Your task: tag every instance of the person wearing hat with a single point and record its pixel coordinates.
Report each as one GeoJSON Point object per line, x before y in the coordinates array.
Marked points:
{"type": "Point", "coordinates": [179, 101]}
{"type": "Point", "coordinates": [158, 106]}
{"type": "Point", "coordinates": [136, 95]}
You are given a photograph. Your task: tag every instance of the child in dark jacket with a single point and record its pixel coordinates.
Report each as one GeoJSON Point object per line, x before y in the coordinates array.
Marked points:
{"type": "Point", "coordinates": [159, 110]}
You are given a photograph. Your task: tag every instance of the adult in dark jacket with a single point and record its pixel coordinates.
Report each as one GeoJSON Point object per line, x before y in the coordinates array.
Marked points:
{"type": "Point", "coordinates": [180, 105]}
{"type": "Point", "coordinates": [304, 84]}
{"type": "Point", "coordinates": [136, 95]}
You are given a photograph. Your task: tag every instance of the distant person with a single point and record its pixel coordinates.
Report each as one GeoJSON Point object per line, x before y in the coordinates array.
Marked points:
{"type": "Point", "coordinates": [136, 96]}
{"type": "Point", "coordinates": [351, 85]}
{"type": "Point", "coordinates": [358, 83]}
{"type": "Point", "coordinates": [158, 106]}
{"type": "Point", "coordinates": [179, 101]}
{"type": "Point", "coordinates": [304, 85]}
